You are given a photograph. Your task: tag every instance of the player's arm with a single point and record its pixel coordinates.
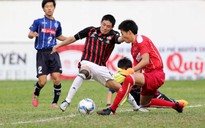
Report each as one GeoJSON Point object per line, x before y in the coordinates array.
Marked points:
{"type": "Point", "coordinates": [144, 62]}
{"type": "Point", "coordinates": [67, 41]}
{"type": "Point", "coordinates": [120, 39]}
{"type": "Point", "coordinates": [32, 34]}
{"type": "Point", "coordinates": [61, 38]}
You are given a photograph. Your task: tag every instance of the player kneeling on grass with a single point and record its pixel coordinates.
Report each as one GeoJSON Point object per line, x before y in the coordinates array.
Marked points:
{"type": "Point", "coordinates": [133, 97]}
{"type": "Point", "coordinates": [147, 59]}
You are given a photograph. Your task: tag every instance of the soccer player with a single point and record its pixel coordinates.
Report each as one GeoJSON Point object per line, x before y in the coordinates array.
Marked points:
{"type": "Point", "coordinates": [134, 96]}
{"type": "Point", "coordinates": [147, 59]}
{"type": "Point", "coordinates": [45, 31]}
{"type": "Point", "coordinates": [99, 44]}
{"type": "Point", "coordinates": [124, 64]}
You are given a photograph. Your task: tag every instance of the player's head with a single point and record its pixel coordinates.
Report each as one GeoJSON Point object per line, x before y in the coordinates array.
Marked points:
{"type": "Point", "coordinates": [48, 7]}
{"type": "Point", "coordinates": [124, 63]}
{"type": "Point", "coordinates": [128, 28]}
{"type": "Point", "coordinates": [107, 23]}
{"type": "Point", "coordinates": [44, 2]}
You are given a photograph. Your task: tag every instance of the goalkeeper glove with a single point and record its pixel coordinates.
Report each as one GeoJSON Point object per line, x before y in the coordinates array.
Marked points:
{"type": "Point", "coordinates": [126, 72]}
{"type": "Point", "coordinates": [119, 78]}
{"type": "Point", "coordinates": [122, 73]}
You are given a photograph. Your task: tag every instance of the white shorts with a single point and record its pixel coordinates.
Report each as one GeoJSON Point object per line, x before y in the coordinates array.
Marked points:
{"type": "Point", "coordinates": [98, 73]}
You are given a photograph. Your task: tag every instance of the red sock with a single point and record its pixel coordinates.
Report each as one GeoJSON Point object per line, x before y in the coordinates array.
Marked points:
{"type": "Point", "coordinates": [123, 91]}
{"type": "Point", "coordinates": [160, 103]}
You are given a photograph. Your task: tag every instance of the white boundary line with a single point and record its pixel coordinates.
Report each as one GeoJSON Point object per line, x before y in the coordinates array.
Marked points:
{"type": "Point", "coordinates": [71, 116]}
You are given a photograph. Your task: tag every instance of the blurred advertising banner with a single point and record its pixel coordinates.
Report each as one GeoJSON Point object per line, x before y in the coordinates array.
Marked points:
{"type": "Point", "coordinates": [180, 63]}
{"type": "Point", "coordinates": [18, 61]}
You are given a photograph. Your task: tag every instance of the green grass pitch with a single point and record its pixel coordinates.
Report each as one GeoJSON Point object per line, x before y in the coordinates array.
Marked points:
{"type": "Point", "coordinates": [16, 110]}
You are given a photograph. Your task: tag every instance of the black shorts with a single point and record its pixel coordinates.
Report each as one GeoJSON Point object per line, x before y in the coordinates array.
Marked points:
{"type": "Point", "coordinates": [135, 92]}
{"type": "Point", "coordinates": [47, 63]}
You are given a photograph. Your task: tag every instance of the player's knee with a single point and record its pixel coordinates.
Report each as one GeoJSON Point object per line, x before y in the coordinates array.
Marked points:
{"type": "Point", "coordinates": [56, 81]}
{"type": "Point", "coordinates": [42, 82]}
{"type": "Point", "coordinates": [85, 74]}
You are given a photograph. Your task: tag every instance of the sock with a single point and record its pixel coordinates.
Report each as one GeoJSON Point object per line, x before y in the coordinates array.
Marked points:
{"type": "Point", "coordinates": [107, 105]}
{"type": "Point", "coordinates": [37, 89]}
{"type": "Point", "coordinates": [74, 88]}
{"type": "Point", "coordinates": [160, 103]}
{"type": "Point", "coordinates": [57, 92]}
{"type": "Point", "coordinates": [123, 91]}
{"type": "Point", "coordinates": [132, 102]}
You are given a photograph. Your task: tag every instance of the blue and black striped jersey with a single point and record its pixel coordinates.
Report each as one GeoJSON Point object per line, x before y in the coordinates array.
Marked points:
{"type": "Point", "coordinates": [48, 30]}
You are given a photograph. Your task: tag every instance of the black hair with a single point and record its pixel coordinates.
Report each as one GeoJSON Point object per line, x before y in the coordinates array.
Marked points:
{"type": "Point", "coordinates": [46, 1]}
{"type": "Point", "coordinates": [124, 63]}
{"type": "Point", "coordinates": [110, 18]}
{"type": "Point", "coordinates": [127, 25]}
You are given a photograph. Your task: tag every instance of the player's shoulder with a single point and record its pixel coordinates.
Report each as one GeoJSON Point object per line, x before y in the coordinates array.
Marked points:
{"type": "Point", "coordinates": [113, 32]}
{"type": "Point", "coordinates": [90, 28]}
{"type": "Point", "coordinates": [39, 19]}
{"type": "Point", "coordinates": [141, 38]}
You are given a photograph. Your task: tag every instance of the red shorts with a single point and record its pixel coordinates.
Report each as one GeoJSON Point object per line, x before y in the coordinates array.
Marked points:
{"type": "Point", "coordinates": [153, 80]}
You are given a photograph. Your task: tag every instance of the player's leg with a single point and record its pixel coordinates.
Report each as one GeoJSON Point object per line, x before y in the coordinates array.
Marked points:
{"type": "Point", "coordinates": [135, 92]}
{"type": "Point", "coordinates": [160, 95]}
{"type": "Point", "coordinates": [132, 102]}
{"type": "Point", "coordinates": [41, 69]}
{"type": "Point", "coordinates": [37, 88]}
{"type": "Point", "coordinates": [55, 69]}
{"type": "Point", "coordinates": [109, 97]}
{"type": "Point", "coordinates": [83, 74]}
{"type": "Point", "coordinates": [122, 93]}
{"type": "Point", "coordinates": [154, 80]}
{"type": "Point", "coordinates": [160, 103]}
{"type": "Point", "coordinates": [56, 88]}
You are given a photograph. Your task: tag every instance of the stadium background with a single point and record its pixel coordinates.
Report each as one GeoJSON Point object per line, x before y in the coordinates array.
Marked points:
{"type": "Point", "coordinates": [175, 26]}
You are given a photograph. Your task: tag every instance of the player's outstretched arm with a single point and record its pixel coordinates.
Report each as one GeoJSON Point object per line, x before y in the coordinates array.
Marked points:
{"type": "Point", "coordinates": [62, 38]}
{"type": "Point", "coordinates": [69, 40]}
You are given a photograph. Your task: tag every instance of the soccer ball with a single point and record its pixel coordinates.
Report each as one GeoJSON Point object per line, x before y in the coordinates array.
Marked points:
{"type": "Point", "coordinates": [86, 106]}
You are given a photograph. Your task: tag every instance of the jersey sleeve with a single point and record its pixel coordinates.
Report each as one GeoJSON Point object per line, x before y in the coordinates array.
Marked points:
{"type": "Point", "coordinates": [83, 33]}
{"type": "Point", "coordinates": [59, 30]}
{"type": "Point", "coordinates": [116, 36]}
{"type": "Point", "coordinates": [143, 45]}
{"type": "Point", "coordinates": [34, 26]}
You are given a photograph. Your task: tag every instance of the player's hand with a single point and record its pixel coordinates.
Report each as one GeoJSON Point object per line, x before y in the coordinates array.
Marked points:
{"type": "Point", "coordinates": [54, 49]}
{"type": "Point", "coordinates": [34, 34]}
{"type": "Point", "coordinates": [126, 72]}
{"type": "Point", "coordinates": [119, 78]}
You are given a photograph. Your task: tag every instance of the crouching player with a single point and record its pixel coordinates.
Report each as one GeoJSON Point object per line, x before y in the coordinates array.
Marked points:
{"type": "Point", "coordinates": [133, 97]}
{"type": "Point", "coordinates": [147, 59]}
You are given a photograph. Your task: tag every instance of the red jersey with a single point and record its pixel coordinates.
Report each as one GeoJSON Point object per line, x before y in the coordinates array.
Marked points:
{"type": "Point", "coordinates": [144, 45]}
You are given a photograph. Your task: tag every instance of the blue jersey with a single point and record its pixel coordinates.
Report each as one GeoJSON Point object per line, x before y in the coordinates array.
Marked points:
{"type": "Point", "coordinates": [47, 30]}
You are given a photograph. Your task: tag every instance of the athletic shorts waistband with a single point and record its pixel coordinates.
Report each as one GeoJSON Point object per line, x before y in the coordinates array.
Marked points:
{"type": "Point", "coordinates": [45, 50]}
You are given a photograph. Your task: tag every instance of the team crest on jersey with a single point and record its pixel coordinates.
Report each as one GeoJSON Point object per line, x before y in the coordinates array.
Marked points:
{"type": "Point", "coordinates": [56, 25]}
{"type": "Point", "coordinates": [93, 34]}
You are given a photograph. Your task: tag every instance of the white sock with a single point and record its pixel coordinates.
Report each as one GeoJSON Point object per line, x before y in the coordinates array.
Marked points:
{"type": "Point", "coordinates": [74, 88]}
{"type": "Point", "coordinates": [132, 101]}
